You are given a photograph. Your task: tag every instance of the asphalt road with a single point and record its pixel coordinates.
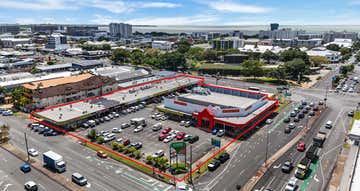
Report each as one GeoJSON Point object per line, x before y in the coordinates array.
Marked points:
{"type": "Point", "coordinates": [12, 178]}
{"type": "Point", "coordinates": [339, 105]}
{"type": "Point", "coordinates": [103, 175]}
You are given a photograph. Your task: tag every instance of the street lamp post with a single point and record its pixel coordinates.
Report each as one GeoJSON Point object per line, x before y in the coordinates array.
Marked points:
{"type": "Point", "coordinates": [27, 148]}
{"type": "Point", "coordinates": [266, 148]}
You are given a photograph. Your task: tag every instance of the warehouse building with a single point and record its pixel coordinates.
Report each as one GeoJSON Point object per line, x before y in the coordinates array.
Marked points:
{"type": "Point", "coordinates": [235, 112]}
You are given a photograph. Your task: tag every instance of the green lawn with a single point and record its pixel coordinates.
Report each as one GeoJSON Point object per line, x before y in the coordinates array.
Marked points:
{"type": "Point", "coordinates": [221, 67]}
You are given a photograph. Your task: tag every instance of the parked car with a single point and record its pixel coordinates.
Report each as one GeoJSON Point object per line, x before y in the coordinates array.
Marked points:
{"type": "Point", "coordinates": [213, 165]}
{"type": "Point", "coordinates": [287, 120]}
{"type": "Point", "coordinates": [301, 146]}
{"type": "Point", "coordinates": [116, 130]}
{"type": "Point", "coordinates": [312, 113]}
{"type": "Point", "coordinates": [167, 130]}
{"type": "Point", "coordinates": [293, 114]}
{"type": "Point", "coordinates": [180, 135]}
{"type": "Point", "coordinates": [101, 120]}
{"type": "Point", "coordinates": [182, 123]}
{"type": "Point", "coordinates": [138, 129]}
{"type": "Point", "coordinates": [301, 115]}
{"type": "Point", "coordinates": [221, 133]}
{"type": "Point", "coordinates": [25, 168]}
{"type": "Point", "coordinates": [287, 166]}
{"type": "Point", "coordinates": [7, 113]}
{"type": "Point", "coordinates": [287, 130]}
{"type": "Point", "coordinates": [156, 127]}
{"type": "Point", "coordinates": [291, 126]}
{"type": "Point", "coordinates": [126, 142]}
{"type": "Point", "coordinates": [214, 131]}
{"type": "Point", "coordinates": [159, 153]}
{"type": "Point", "coordinates": [296, 119]}
{"type": "Point", "coordinates": [169, 138]}
{"type": "Point", "coordinates": [101, 154]}
{"type": "Point", "coordinates": [106, 118]}
{"type": "Point", "coordinates": [33, 152]}
{"type": "Point", "coordinates": [187, 123]}
{"type": "Point", "coordinates": [193, 139]}
{"type": "Point", "coordinates": [268, 121]}
{"type": "Point", "coordinates": [223, 157]}
{"type": "Point", "coordinates": [350, 113]}
{"type": "Point", "coordinates": [125, 125]}
{"type": "Point", "coordinates": [163, 136]}
{"type": "Point", "coordinates": [187, 137]}
{"type": "Point", "coordinates": [136, 145]}
{"type": "Point", "coordinates": [30, 186]}
{"type": "Point", "coordinates": [78, 179]}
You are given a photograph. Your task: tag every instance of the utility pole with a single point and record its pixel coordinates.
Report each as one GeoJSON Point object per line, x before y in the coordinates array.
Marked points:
{"type": "Point", "coordinates": [27, 148]}
{"type": "Point", "coordinates": [190, 177]}
{"type": "Point", "coordinates": [326, 93]}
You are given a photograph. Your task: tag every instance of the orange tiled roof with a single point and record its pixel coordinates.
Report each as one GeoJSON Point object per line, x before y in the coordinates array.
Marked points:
{"type": "Point", "coordinates": [57, 81]}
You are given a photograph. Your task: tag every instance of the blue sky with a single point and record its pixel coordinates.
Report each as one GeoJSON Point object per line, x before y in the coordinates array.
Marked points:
{"type": "Point", "coordinates": [181, 12]}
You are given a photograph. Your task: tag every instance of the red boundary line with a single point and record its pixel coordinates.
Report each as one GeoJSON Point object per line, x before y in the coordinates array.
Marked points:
{"type": "Point", "coordinates": [201, 82]}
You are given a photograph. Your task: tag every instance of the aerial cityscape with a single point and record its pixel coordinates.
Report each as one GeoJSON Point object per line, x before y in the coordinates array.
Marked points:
{"type": "Point", "coordinates": [191, 95]}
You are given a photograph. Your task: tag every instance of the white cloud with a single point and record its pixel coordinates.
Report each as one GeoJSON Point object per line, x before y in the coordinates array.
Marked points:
{"type": "Point", "coordinates": [229, 6]}
{"type": "Point", "coordinates": [38, 4]}
{"type": "Point", "coordinates": [126, 7]}
{"type": "Point", "coordinates": [25, 21]}
{"type": "Point", "coordinates": [185, 20]}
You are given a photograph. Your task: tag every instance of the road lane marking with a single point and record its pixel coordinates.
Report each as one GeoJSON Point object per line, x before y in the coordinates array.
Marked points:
{"type": "Point", "coordinates": [316, 179]}
{"type": "Point", "coordinates": [278, 166]}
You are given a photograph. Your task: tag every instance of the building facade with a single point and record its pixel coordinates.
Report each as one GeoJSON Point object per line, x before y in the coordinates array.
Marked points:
{"type": "Point", "coordinates": [122, 30]}
{"type": "Point", "coordinates": [81, 30]}
{"type": "Point", "coordinates": [228, 43]}
{"type": "Point", "coordinates": [331, 36]}
{"type": "Point", "coordinates": [57, 41]}
{"type": "Point", "coordinates": [9, 28]}
{"type": "Point", "coordinates": [162, 45]}
{"type": "Point", "coordinates": [61, 90]}
{"type": "Point", "coordinates": [13, 42]}
{"type": "Point", "coordinates": [286, 33]}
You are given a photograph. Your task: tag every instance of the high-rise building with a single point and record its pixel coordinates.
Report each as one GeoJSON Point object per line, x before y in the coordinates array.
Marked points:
{"type": "Point", "coordinates": [57, 41]}
{"type": "Point", "coordinates": [237, 34]}
{"type": "Point", "coordinates": [286, 33]}
{"type": "Point", "coordinates": [274, 26]}
{"type": "Point", "coordinates": [122, 30]}
{"type": "Point", "coordinates": [44, 28]}
{"type": "Point", "coordinates": [227, 43]}
{"type": "Point", "coordinates": [331, 36]}
{"type": "Point", "coordinates": [9, 28]}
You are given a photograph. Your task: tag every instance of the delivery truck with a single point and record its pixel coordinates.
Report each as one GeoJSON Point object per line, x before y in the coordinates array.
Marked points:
{"type": "Point", "coordinates": [302, 169]}
{"type": "Point", "coordinates": [54, 161]}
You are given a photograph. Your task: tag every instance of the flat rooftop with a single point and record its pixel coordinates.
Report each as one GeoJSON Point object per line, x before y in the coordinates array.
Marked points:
{"type": "Point", "coordinates": [226, 101]}
{"type": "Point", "coordinates": [80, 109]}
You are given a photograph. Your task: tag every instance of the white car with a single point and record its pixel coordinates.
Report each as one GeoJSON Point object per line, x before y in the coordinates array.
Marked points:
{"type": "Point", "coordinates": [159, 153]}
{"type": "Point", "coordinates": [30, 186]}
{"type": "Point", "coordinates": [138, 129]}
{"type": "Point", "coordinates": [182, 123]}
{"type": "Point", "coordinates": [116, 130]}
{"type": "Point", "coordinates": [268, 121]}
{"type": "Point", "coordinates": [33, 152]}
{"type": "Point", "coordinates": [291, 185]}
{"type": "Point", "coordinates": [169, 138]}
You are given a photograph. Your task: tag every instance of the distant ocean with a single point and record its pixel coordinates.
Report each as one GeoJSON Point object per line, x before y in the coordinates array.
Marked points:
{"type": "Point", "coordinates": [247, 29]}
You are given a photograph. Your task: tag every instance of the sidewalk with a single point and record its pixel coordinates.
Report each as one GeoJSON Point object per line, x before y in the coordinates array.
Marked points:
{"type": "Point", "coordinates": [342, 175]}
{"type": "Point", "coordinates": [36, 164]}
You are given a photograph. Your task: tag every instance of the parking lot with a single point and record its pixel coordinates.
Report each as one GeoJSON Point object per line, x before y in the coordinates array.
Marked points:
{"type": "Point", "coordinates": [150, 139]}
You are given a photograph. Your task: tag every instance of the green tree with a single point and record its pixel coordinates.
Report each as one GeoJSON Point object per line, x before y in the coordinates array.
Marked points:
{"type": "Point", "coordinates": [103, 38]}
{"type": "Point", "coordinates": [345, 50]}
{"type": "Point", "coordinates": [131, 150]}
{"type": "Point", "coordinates": [253, 68]}
{"type": "Point", "coordinates": [333, 47]}
{"type": "Point", "coordinates": [183, 46]}
{"type": "Point", "coordinates": [137, 57]}
{"type": "Point", "coordinates": [173, 61]}
{"type": "Point", "coordinates": [16, 95]}
{"type": "Point", "coordinates": [296, 69]}
{"type": "Point", "coordinates": [120, 55]}
{"type": "Point", "coordinates": [149, 159]}
{"type": "Point", "coordinates": [50, 63]}
{"type": "Point", "coordinates": [115, 145]}
{"type": "Point", "coordinates": [356, 45]}
{"type": "Point", "coordinates": [269, 56]}
{"type": "Point", "coordinates": [291, 54]}
{"type": "Point", "coordinates": [357, 57]}
{"type": "Point", "coordinates": [278, 73]}
{"type": "Point", "coordinates": [137, 154]}
{"type": "Point", "coordinates": [152, 61]}
{"type": "Point", "coordinates": [106, 47]}
{"type": "Point", "coordinates": [210, 55]}
{"type": "Point", "coordinates": [318, 60]}
{"type": "Point", "coordinates": [195, 53]}
{"type": "Point", "coordinates": [121, 147]}
{"type": "Point", "coordinates": [100, 140]}
{"type": "Point", "coordinates": [92, 134]}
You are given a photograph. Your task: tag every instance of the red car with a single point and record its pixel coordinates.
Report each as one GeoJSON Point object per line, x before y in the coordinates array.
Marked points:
{"type": "Point", "coordinates": [126, 142]}
{"type": "Point", "coordinates": [301, 146]}
{"type": "Point", "coordinates": [163, 136]}
{"type": "Point", "coordinates": [101, 154]}
{"type": "Point", "coordinates": [167, 130]}
{"type": "Point", "coordinates": [180, 135]}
